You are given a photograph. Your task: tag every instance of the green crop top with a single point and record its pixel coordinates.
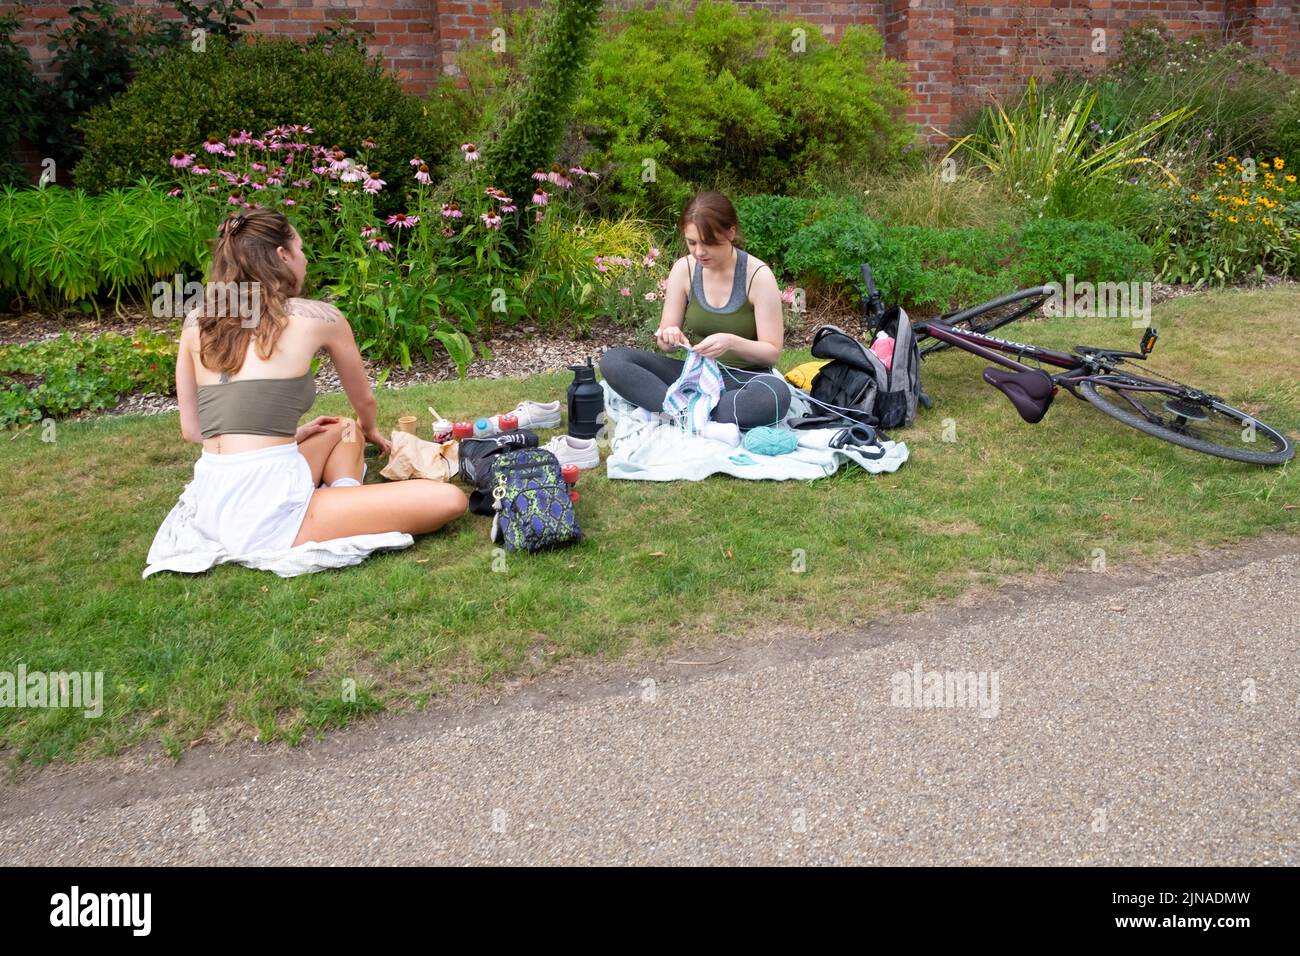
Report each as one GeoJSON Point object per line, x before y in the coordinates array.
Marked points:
{"type": "Point", "coordinates": [736, 315]}
{"type": "Point", "coordinates": [255, 406]}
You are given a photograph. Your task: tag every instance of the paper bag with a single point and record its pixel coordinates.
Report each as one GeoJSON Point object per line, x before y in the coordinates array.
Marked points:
{"type": "Point", "coordinates": [413, 457]}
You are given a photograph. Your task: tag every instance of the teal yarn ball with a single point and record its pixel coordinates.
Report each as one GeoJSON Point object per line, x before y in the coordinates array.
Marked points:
{"type": "Point", "coordinates": [766, 440]}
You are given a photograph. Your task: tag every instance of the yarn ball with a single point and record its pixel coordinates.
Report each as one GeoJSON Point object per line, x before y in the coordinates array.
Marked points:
{"type": "Point", "coordinates": [766, 440]}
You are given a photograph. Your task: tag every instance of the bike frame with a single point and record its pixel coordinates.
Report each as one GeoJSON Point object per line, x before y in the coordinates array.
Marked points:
{"type": "Point", "coordinates": [1077, 368]}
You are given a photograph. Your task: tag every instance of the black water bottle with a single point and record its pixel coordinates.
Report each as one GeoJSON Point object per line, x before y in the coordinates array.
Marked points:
{"type": "Point", "coordinates": [586, 401]}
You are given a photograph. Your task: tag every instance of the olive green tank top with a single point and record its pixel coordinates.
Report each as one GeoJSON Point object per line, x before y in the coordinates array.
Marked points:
{"type": "Point", "coordinates": [255, 406]}
{"type": "Point", "coordinates": [735, 316]}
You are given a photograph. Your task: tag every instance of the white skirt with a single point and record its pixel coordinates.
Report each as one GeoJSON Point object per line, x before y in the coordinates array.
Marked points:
{"type": "Point", "coordinates": [247, 508]}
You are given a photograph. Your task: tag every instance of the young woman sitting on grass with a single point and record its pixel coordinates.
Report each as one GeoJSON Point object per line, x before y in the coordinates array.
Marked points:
{"type": "Point", "coordinates": [744, 329]}
{"type": "Point", "coordinates": [265, 484]}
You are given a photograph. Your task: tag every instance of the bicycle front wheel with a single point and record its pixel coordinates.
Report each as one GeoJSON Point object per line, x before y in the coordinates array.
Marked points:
{"type": "Point", "coordinates": [994, 314]}
{"type": "Point", "coordinates": [1188, 418]}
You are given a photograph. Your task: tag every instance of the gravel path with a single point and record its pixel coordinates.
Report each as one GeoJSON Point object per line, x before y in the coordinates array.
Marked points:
{"type": "Point", "coordinates": [1141, 717]}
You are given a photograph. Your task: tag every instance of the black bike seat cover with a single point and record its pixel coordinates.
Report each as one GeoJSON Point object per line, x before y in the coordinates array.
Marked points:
{"type": "Point", "coordinates": [1031, 391]}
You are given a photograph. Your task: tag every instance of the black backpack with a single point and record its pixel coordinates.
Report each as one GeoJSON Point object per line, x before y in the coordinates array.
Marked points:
{"type": "Point", "coordinates": [856, 382]}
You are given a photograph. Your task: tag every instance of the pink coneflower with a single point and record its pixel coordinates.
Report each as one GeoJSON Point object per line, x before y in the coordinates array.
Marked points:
{"type": "Point", "coordinates": [301, 183]}
{"type": "Point", "coordinates": [470, 151]}
{"type": "Point", "coordinates": [256, 185]}
{"type": "Point", "coordinates": [451, 211]}
{"type": "Point", "coordinates": [238, 180]}
{"type": "Point", "coordinates": [321, 170]}
{"type": "Point", "coordinates": [368, 143]}
{"type": "Point", "coordinates": [540, 175]}
{"type": "Point", "coordinates": [260, 167]}
{"type": "Point", "coordinates": [338, 160]}
{"type": "Point", "coordinates": [417, 161]}
{"type": "Point", "coordinates": [175, 192]}
{"type": "Point", "coordinates": [351, 174]}
{"type": "Point", "coordinates": [303, 129]}
{"type": "Point", "coordinates": [491, 220]}
{"type": "Point", "coordinates": [383, 245]}
{"type": "Point", "coordinates": [402, 221]}
{"type": "Point", "coordinates": [625, 291]}
{"type": "Point", "coordinates": [212, 187]}
{"type": "Point", "coordinates": [258, 144]}
{"type": "Point", "coordinates": [448, 231]}
{"type": "Point", "coordinates": [199, 169]}
{"type": "Point", "coordinates": [509, 207]}
{"type": "Point", "coordinates": [181, 159]}
{"type": "Point", "coordinates": [213, 145]}
{"type": "Point", "coordinates": [373, 183]}
{"type": "Point", "coordinates": [241, 138]}
{"type": "Point", "coordinates": [422, 176]}
{"type": "Point", "coordinates": [290, 202]}
{"type": "Point", "coordinates": [368, 231]}
{"type": "Point", "coordinates": [540, 197]}
{"type": "Point", "coordinates": [558, 176]}
{"type": "Point", "coordinates": [235, 200]}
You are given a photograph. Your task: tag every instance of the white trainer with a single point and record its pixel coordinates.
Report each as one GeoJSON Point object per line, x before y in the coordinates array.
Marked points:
{"type": "Point", "coordinates": [583, 452]}
{"type": "Point", "coordinates": [538, 416]}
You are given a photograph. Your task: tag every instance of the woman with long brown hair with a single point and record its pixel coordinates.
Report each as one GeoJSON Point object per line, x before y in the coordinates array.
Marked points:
{"type": "Point", "coordinates": [744, 332]}
{"type": "Point", "coordinates": [265, 484]}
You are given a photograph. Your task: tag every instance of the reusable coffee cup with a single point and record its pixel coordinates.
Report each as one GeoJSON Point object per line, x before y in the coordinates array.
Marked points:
{"type": "Point", "coordinates": [407, 423]}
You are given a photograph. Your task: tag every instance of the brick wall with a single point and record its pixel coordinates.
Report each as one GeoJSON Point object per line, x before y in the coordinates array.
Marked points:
{"type": "Point", "coordinates": [959, 51]}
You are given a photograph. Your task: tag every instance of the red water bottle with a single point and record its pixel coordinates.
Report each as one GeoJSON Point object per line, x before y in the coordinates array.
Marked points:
{"type": "Point", "coordinates": [462, 429]}
{"type": "Point", "coordinates": [508, 422]}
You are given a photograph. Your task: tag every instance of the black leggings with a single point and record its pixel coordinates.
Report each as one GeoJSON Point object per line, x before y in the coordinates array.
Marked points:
{"type": "Point", "coordinates": [750, 399]}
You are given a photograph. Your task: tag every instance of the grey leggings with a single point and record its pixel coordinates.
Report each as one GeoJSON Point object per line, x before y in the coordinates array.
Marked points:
{"type": "Point", "coordinates": [750, 399]}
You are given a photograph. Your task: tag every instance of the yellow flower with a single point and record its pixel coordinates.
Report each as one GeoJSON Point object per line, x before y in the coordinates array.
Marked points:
{"type": "Point", "coordinates": [1232, 159]}
{"type": "Point", "coordinates": [1267, 221]}
{"type": "Point", "coordinates": [1278, 163]}
{"type": "Point", "coordinates": [1232, 219]}
{"type": "Point", "coordinates": [1195, 197]}
{"type": "Point", "coordinates": [1291, 178]}
{"type": "Point", "coordinates": [1250, 218]}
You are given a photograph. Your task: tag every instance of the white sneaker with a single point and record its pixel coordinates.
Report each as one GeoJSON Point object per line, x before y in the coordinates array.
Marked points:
{"type": "Point", "coordinates": [583, 452]}
{"type": "Point", "coordinates": [538, 415]}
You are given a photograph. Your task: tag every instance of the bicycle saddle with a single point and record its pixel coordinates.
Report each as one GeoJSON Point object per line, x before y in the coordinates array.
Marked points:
{"type": "Point", "coordinates": [1031, 391]}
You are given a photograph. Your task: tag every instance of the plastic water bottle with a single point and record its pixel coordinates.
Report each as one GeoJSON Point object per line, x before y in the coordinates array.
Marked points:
{"type": "Point", "coordinates": [883, 346]}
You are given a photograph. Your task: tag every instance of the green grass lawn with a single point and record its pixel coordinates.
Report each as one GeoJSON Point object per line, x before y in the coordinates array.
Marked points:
{"type": "Point", "coordinates": [241, 654]}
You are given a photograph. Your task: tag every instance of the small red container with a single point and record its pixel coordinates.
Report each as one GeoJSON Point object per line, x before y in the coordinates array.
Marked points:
{"type": "Point", "coordinates": [570, 473]}
{"type": "Point", "coordinates": [574, 496]}
{"type": "Point", "coordinates": [462, 429]}
{"type": "Point", "coordinates": [507, 422]}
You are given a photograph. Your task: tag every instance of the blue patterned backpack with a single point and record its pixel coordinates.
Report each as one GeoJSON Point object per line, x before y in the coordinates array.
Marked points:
{"type": "Point", "coordinates": [531, 500]}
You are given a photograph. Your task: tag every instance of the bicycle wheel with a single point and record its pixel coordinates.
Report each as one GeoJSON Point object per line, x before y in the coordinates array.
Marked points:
{"type": "Point", "coordinates": [1189, 418]}
{"type": "Point", "coordinates": [994, 314]}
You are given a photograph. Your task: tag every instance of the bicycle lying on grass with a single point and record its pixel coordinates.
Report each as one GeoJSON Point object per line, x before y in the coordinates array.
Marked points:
{"type": "Point", "coordinates": [1151, 403]}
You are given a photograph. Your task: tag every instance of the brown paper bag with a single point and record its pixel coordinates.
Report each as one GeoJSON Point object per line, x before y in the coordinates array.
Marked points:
{"type": "Point", "coordinates": [413, 457]}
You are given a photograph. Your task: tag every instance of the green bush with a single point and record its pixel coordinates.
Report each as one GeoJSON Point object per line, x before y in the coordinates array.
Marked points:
{"type": "Point", "coordinates": [59, 246]}
{"type": "Point", "coordinates": [19, 119]}
{"type": "Point", "coordinates": [820, 245]}
{"type": "Point", "coordinates": [65, 375]}
{"type": "Point", "coordinates": [1092, 251]}
{"type": "Point", "coordinates": [717, 98]}
{"type": "Point", "coordinates": [254, 85]}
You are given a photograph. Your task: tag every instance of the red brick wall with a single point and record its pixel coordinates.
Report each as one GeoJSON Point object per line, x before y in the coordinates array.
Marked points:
{"type": "Point", "coordinates": [959, 51]}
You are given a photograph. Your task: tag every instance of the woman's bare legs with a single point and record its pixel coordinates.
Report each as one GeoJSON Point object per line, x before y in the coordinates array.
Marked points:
{"type": "Point", "coordinates": [336, 452]}
{"type": "Point", "coordinates": [414, 506]}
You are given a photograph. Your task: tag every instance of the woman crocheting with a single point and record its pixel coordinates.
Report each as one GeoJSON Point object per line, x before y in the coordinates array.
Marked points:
{"type": "Point", "coordinates": [264, 484]}
{"type": "Point", "coordinates": [743, 331]}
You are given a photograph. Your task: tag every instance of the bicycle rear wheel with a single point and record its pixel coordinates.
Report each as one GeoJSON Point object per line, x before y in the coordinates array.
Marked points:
{"type": "Point", "coordinates": [994, 314]}
{"type": "Point", "coordinates": [1188, 418]}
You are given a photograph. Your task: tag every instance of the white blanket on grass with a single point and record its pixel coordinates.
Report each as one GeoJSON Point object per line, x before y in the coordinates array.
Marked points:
{"type": "Point", "coordinates": [654, 448]}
